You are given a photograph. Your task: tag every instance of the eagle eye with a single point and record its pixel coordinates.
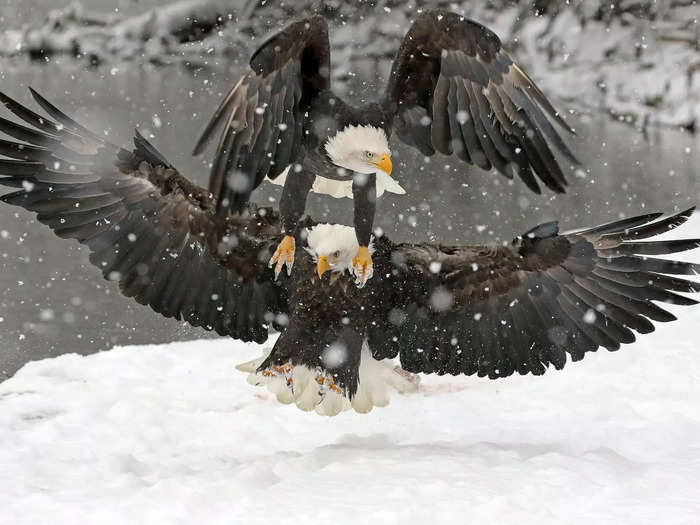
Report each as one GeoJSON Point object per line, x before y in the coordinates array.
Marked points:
{"type": "Point", "coordinates": [336, 254]}
{"type": "Point", "coordinates": [369, 154]}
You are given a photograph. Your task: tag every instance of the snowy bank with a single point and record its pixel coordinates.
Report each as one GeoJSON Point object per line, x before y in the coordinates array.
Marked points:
{"type": "Point", "coordinates": [641, 67]}
{"type": "Point", "coordinates": [174, 434]}
{"type": "Point", "coordinates": [153, 35]}
{"type": "Point", "coordinates": [639, 60]}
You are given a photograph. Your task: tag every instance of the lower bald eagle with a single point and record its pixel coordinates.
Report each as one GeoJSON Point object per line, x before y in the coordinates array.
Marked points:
{"type": "Point", "coordinates": [452, 90]}
{"type": "Point", "coordinates": [487, 310]}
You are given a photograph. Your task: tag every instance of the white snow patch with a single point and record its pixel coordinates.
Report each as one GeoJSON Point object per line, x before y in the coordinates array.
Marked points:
{"type": "Point", "coordinates": [172, 433]}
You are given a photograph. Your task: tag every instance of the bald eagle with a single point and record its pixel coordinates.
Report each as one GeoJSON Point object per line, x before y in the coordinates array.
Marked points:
{"type": "Point", "coordinates": [486, 310]}
{"type": "Point", "coordinates": [452, 90]}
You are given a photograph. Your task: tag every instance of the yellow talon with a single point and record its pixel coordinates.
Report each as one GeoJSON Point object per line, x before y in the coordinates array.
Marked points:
{"type": "Point", "coordinates": [283, 256]}
{"type": "Point", "coordinates": [285, 370]}
{"type": "Point", "coordinates": [329, 384]}
{"type": "Point", "coordinates": [362, 266]}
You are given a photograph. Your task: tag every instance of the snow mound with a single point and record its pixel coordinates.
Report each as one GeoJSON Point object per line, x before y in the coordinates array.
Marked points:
{"type": "Point", "coordinates": [173, 434]}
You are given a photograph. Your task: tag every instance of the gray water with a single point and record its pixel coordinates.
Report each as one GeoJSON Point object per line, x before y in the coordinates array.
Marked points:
{"type": "Point", "coordinates": [52, 301]}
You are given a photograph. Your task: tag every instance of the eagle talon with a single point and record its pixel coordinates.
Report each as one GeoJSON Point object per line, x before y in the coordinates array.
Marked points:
{"type": "Point", "coordinates": [326, 384]}
{"type": "Point", "coordinates": [283, 256]}
{"type": "Point", "coordinates": [284, 371]}
{"type": "Point", "coordinates": [362, 266]}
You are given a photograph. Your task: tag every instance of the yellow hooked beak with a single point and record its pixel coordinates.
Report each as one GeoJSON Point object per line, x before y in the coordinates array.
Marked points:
{"type": "Point", "coordinates": [384, 163]}
{"type": "Point", "coordinates": [322, 266]}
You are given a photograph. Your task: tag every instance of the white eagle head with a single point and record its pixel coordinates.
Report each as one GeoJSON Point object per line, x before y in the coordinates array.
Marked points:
{"type": "Point", "coordinates": [332, 247]}
{"type": "Point", "coordinates": [362, 149]}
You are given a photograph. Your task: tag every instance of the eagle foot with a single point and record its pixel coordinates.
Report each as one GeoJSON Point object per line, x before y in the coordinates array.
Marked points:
{"type": "Point", "coordinates": [327, 384]}
{"type": "Point", "coordinates": [285, 371]}
{"type": "Point", "coordinates": [362, 266]}
{"type": "Point", "coordinates": [283, 256]}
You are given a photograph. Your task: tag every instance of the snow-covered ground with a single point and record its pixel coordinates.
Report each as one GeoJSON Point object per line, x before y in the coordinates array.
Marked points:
{"type": "Point", "coordinates": [173, 434]}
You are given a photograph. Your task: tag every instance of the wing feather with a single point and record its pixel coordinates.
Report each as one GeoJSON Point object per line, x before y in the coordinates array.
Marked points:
{"type": "Point", "coordinates": [147, 226]}
{"type": "Point", "coordinates": [286, 74]}
{"type": "Point", "coordinates": [472, 145]}
{"type": "Point", "coordinates": [521, 307]}
{"type": "Point", "coordinates": [440, 129]}
{"type": "Point", "coordinates": [449, 65]}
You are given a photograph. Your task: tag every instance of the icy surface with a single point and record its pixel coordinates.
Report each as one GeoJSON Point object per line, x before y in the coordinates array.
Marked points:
{"type": "Point", "coordinates": [174, 434]}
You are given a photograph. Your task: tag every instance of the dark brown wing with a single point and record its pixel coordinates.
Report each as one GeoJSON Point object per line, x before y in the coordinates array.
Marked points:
{"type": "Point", "coordinates": [263, 114]}
{"type": "Point", "coordinates": [146, 225]}
{"type": "Point", "coordinates": [492, 311]}
{"type": "Point", "coordinates": [456, 91]}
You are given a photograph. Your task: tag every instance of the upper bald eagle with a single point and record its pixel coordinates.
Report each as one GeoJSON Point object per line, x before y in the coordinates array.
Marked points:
{"type": "Point", "coordinates": [486, 310]}
{"type": "Point", "coordinates": [452, 90]}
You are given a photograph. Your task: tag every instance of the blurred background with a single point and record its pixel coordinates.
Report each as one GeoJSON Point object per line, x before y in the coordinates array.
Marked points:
{"type": "Point", "coordinates": [626, 75]}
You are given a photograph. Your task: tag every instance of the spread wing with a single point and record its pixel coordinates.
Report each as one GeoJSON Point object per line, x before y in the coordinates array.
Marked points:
{"type": "Point", "coordinates": [263, 114]}
{"type": "Point", "coordinates": [146, 225]}
{"type": "Point", "coordinates": [456, 91]}
{"type": "Point", "coordinates": [492, 311]}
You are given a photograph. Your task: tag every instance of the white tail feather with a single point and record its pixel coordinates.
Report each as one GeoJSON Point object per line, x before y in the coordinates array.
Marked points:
{"type": "Point", "coordinates": [377, 379]}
